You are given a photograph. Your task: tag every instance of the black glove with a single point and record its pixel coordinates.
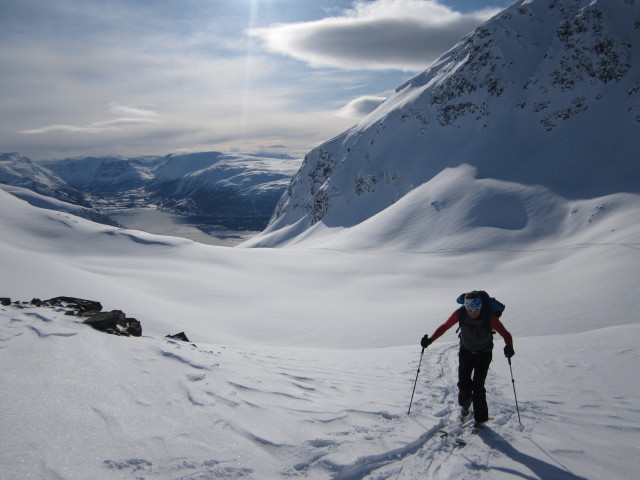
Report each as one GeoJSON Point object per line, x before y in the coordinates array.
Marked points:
{"type": "Point", "coordinates": [508, 351]}
{"type": "Point", "coordinates": [425, 342]}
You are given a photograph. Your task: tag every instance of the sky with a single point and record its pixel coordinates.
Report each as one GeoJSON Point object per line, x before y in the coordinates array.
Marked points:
{"type": "Point", "coordinates": [152, 77]}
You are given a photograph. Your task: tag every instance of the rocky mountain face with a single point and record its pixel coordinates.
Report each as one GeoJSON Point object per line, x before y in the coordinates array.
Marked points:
{"type": "Point", "coordinates": [544, 89]}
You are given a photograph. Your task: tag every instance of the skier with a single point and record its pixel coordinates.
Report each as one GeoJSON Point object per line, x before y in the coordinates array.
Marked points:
{"type": "Point", "coordinates": [477, 322]}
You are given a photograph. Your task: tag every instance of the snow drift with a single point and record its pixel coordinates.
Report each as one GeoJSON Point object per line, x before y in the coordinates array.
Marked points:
{"type": "Point", "coordinates": [304, 359]}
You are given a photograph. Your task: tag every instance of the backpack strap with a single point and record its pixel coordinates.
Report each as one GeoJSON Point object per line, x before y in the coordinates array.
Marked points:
{"type": "Point", "coordinates": [471, 331]}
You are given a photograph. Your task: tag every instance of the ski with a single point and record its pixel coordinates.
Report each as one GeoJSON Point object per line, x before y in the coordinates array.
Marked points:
{"type": "Point", "coordinates": [458, 432]}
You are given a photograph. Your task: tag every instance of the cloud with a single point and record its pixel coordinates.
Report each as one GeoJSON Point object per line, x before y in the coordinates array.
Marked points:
{"type": "Point", "coordinates": [62, 129]}
{"type": "Point", "coordinates": [136, 116]}
{"type": "Point", "coordinates": [361, 107]}
{"type": "Point", "coordinates": [88, 77]}
{"type": "Point", "coordinates": [381, 35]}
{"type": "Point", "coordinates": [131, 110]}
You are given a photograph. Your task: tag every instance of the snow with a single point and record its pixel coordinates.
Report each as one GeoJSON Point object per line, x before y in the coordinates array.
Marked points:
{"type": "Point", "coordinates": [51, 203]}
{"type": "Point", "coordinates": [304, 359]}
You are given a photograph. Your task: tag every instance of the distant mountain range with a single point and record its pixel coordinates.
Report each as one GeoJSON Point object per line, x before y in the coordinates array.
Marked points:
{"type": "Point", "coordinates": [205, 184]}
{"type": "Point", "coordinates": [544, 94]}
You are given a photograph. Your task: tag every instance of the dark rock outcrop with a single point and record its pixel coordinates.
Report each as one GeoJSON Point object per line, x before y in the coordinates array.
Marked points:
{"type": "Point", "coordinates": [179, 336]}
{"type": "Point", "coordinates": [78, 306]}
{"type": "Point", "coordinates": [114, 322]}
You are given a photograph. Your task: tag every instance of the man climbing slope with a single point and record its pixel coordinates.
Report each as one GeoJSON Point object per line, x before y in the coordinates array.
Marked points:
{"type": "Point", "coordinates": [478, 319]}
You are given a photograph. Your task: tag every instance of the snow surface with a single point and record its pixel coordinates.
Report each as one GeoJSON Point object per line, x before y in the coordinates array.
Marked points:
{"type": "Point", "coordinates": [304, 359]}
{"type": "Point", "coordinates": [51, 203]}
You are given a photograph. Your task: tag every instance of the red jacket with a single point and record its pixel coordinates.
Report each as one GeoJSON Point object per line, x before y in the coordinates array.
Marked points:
{"type": "Point", "coordinates": [495, 324]}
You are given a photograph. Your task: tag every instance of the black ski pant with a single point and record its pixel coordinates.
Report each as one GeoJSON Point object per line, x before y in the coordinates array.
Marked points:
{"type": "Point", "coordinates": [472, 373]}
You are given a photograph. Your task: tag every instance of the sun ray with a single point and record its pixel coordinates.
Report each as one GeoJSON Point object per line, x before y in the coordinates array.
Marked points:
{"type": "Point", "coordinates": [251, 23]}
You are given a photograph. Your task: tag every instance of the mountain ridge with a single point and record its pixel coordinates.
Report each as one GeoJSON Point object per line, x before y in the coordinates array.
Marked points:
{"type": "Point", "coordinates": [520, 99]}
{"type": "Point", "coordinates": [204, 184]}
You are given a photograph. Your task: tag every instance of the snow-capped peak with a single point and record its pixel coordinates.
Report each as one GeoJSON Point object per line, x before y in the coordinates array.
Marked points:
{"type": "Point", "coordinates": [545, 93]}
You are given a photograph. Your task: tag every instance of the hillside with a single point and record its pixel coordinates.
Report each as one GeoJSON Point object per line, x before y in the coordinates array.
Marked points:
{"type": "Point", "coordinates": [19, 171]}
{"type": "Point", "coordinates": [304, 359]}
{"type": "Point", "coordinates": [544, 94]}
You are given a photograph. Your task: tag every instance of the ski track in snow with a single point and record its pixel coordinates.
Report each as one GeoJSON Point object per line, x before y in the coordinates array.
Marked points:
{"type": "Point", "coordinates": [288, 413]}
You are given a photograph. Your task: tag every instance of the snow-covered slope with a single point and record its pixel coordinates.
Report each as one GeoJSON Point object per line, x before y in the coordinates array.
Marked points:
{"type": "Point", "coordinates": [305, 359]}
{"type": "Point", "coordinates": [458, 212]}
{"type": "Point", "coordinates": [546, 93]}
{"type": "Point", "coordinates": [51, 203]}
{"type": "Point", "coordinates": [20, 171]}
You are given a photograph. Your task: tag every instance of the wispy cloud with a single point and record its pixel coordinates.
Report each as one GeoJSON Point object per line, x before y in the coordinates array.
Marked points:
{"type": "Point", "coordinates": [379, 35]}
{"type": "Point", "coordinates": [135, 116]}
{"type": "Point", "coordinates": [131, 110]}
{"type": "Point", "coordinates": [62, 129]}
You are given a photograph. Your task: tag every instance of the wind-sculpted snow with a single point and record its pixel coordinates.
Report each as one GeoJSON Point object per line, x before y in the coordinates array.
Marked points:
{"type": "Point", "coordinates": [458, 212]}
{"type": "Point", "coordinates": [157, 408]}
{"type": "Point", "coordinates": [304, 359]}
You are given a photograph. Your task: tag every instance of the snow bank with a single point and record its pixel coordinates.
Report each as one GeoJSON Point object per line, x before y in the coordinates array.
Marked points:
{"type": "Point", "coordinates": [305, 358]}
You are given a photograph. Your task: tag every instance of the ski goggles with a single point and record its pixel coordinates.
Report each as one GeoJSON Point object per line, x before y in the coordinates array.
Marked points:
{"type": "Point", "coordinates": [473, 304]}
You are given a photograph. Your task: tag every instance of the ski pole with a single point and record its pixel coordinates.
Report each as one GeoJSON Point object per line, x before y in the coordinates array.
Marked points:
{"type": "Point", "coordinates": [416, 382]}
{"type": "Point", "coordinates": [513, 382]}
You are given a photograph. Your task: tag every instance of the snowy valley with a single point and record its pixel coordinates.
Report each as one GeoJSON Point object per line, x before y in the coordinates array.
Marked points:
{"type": "Point", "coordinates": [214, 192]}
